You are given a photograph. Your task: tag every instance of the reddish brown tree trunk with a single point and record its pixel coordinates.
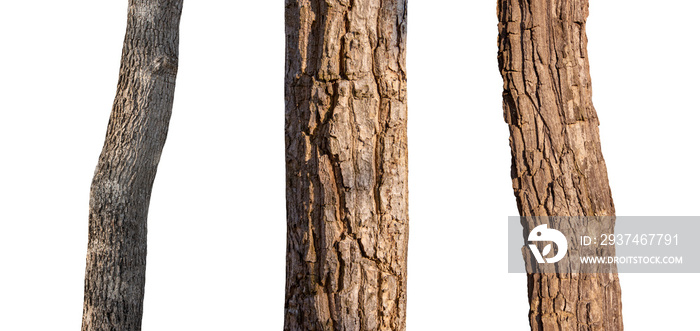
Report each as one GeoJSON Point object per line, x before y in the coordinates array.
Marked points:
{"type": "Point", "coordinates": [558, 168]}
{"type": "Point", "coordinates": [347, 191]}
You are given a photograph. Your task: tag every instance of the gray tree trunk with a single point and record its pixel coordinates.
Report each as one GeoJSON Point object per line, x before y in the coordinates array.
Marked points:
{"type": "Point", "coordinates": [346, 159]}
{"type": "Point", "coordinates": [121, 187]}
{"type": "Point", "coordinates": [558, 168]}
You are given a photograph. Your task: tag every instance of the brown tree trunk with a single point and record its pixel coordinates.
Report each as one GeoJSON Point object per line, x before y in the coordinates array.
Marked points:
{"type": "Point", "coordinates": [121, 187]}
{"type": "Point", "coordinates": [558, 168]}
{"type": "Point", "coordinates": [346, 159]}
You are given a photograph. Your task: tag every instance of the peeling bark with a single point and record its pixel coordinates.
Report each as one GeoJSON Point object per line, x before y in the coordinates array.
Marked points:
{"type": "Point", "coordinates": [346, 160]}
{"type": "Point", "coordinates": [558, 168]}
{"type": "Point", "coordinates": [121, 187]}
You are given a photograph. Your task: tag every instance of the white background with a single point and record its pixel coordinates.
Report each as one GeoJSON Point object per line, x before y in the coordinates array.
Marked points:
{"type": "Point", "coordinates": [217, 218]}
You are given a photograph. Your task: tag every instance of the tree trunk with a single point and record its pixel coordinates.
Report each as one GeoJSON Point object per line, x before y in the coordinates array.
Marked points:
{"type": "Point", "coordinates": [346, 159]}
{"type": "Point", "coordinates": [558, 168]}
{"type": "Point", "coordinates": [121, 187]}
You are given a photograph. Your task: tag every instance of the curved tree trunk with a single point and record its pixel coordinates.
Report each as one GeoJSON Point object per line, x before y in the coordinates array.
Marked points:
{"type": "Point", "coordinates": [346, 158]}
{"type": "Point", "coordinates": [558, 168]}
{"type": "Point", "coordinates": [121, 188]}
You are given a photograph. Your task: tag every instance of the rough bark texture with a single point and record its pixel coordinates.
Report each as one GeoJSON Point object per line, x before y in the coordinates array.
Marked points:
{"type": "Point", "coordinates": [558, 168]}
{"type": "Point", "coordinates": [346, 158]}
{"type": "Point", "coordinates": [121, 187]}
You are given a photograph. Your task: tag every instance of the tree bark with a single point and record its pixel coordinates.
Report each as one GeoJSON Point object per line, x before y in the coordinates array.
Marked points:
{"type": "Point", "coordinates": [557, 164]}
{"type": "Point", "coordinates": [121, 187]}
{"type": "Point", "coordinates": [346, 160]}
